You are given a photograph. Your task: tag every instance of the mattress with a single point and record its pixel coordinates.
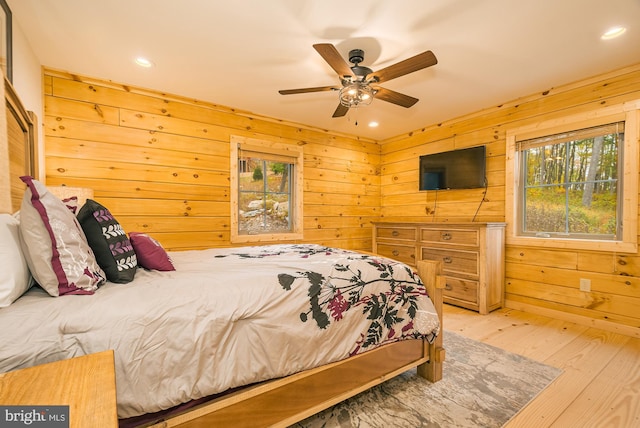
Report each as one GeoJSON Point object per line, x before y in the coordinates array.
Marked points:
{"type": "Point", "coordinates": [224, 318]}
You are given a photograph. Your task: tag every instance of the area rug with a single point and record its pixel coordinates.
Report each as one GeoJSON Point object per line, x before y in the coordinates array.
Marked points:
{"type": "Point", "coordinates": [482, 386]}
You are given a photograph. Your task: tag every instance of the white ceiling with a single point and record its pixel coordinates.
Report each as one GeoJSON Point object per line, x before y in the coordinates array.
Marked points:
{"type": "Point", "coordinates": [239, 53]}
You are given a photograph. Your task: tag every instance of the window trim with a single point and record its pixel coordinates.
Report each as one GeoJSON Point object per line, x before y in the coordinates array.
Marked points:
{"type": "Point", "coordinates": [267, 148]}
{"type": "Point", "coordinates": [628, 112]}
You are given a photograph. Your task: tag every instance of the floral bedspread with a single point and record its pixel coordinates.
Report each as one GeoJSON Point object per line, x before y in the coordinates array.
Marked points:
{"type": "Point", "coordinates": [224, 318]}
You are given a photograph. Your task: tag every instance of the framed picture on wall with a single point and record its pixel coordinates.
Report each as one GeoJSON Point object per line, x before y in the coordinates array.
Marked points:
{"type": "Point", "coordinates": [6, 48]}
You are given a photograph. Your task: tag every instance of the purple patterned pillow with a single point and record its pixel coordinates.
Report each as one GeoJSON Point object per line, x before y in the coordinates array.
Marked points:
{"type": "Point", "coordinates": [109, 242]}
{"type": "Point", "coordinates": [72, 204]}
{"type": "Point", "coordinates": [54, 245]}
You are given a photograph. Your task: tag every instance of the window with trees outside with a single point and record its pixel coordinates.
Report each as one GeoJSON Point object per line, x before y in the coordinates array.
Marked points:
{"type": "Point", "coordinates": [569, 184]}
{"type": "Point", "coordinates": [574, 184]}
{"type": "Point", "coordinates": [266, 192]}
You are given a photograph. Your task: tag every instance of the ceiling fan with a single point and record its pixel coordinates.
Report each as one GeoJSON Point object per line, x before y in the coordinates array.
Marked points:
{"type": "Point", "coordinates": [358, 81]}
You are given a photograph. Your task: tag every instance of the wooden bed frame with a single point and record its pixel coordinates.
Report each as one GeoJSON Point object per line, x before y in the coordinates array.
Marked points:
{"type": "Point", "coordinates": [17, 148]}
{"type": "Point", "coordinates": [280, 402]}
{"type": "Point", "coordinates": [283, 402]}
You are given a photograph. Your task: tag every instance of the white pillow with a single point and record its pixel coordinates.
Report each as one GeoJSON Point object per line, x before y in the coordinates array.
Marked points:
{"type": "Point", "coordinates": [15, 278]}
{"type": "Point", "coordinates": [54, 244]}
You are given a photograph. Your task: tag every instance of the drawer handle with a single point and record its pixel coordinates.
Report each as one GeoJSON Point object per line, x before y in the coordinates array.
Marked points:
{"type": "Point", "coordinates": [395, 252]}
{"type": "Point", "coordinates": [448, 287]}
{"type": "Point", "coordinates": [395, 233]}
{"type": "Point", "coordinates": [446, 236]}
{"type": "Point", "coordinates": [447, 259]}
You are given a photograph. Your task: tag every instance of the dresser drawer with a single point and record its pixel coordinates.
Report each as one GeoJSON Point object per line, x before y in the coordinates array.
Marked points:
{"type": "Point", "coordinates": [451, 236]}
{"type": "Point", "coordinates": [454, 261]}
{"type": "Point", "coordinates": [402, 253]}
{"type": "Point", "coordinates": [461, 289]}
{"type": "Point", "coordinates": [405, 233]}
{"type": "Point", "coordinates": [471, 255]}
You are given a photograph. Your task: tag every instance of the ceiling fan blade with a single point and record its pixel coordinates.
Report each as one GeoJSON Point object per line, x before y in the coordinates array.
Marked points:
{"type": "Point", "coordinates": [415, 63]}
{"type": "Point", "coordinates": [340, 111]}
{"type": "Point", "coordinates": [333, 58]}
{"type": "Point", "coordinates": [395, 97]}
{"type": "Point", "coordinates": [306, 90]}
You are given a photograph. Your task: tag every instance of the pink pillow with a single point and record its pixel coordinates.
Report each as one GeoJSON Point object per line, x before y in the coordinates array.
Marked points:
{"type": "Point", "coordinates": [150, 253]}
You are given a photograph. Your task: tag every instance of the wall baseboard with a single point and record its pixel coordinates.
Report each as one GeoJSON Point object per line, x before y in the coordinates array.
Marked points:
{"type": "Point", "coordinates": [578, 319]}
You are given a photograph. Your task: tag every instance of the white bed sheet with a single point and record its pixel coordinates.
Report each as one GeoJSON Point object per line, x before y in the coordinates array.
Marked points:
{"type": "Point", "coordinates": [224, 318]}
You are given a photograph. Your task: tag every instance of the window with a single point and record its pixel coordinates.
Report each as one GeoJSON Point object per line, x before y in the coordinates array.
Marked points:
{"type": "Point", "coordinates": [572, 183]}
{"type": "Point", "coordinates": [266, 196]}
{"type": "Point", "coordinates": [569, 184]}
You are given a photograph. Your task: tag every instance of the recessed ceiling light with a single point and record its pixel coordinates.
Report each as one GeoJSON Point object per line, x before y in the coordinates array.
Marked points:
{"type": "Point", "coordinates": [613, 32]}
{"type": "Point", "coordinates": [144, 62]}
{"type": "Point", "coordinates": [373, 124]}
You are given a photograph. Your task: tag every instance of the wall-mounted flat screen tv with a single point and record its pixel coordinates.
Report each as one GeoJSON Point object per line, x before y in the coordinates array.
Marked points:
{"type": "Point", "coordinates": [456, 169]}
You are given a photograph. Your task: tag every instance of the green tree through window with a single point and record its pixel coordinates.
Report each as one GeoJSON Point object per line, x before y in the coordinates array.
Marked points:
{"type": "Point", "coordinates": [570, 185]}
{"type": "Point", "coordinates": [266, 191]}
{"type": "Point", "coordinates": [265, 196]}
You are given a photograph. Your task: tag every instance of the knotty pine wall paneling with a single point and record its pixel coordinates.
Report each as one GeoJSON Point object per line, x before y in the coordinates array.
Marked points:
{"type": "Point", "coordinates": [160, 163]}
{"type": "Point", "coordinates": [538, 280]}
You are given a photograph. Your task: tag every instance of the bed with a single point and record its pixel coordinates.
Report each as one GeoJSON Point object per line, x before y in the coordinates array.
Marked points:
{"type": "Point", "coordinates": [243, 336]}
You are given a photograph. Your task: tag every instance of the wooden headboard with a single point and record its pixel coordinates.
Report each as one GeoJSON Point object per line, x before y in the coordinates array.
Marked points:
{"type": "Point", "coordinates": [18, 138]}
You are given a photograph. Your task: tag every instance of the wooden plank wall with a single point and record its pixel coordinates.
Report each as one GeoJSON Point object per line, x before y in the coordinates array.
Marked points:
{"type": "Point", "coordinates": [160, 163]}
{"type": "Point", "coordinates": [545, 281]}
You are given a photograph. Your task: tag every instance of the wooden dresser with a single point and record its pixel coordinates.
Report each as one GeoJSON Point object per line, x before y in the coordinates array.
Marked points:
{"type": "Point", "coordinates": [472, 255]}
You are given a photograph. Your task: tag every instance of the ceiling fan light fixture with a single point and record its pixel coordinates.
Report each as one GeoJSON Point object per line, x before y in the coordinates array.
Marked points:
{"type": "Point", "coordinates": [356, 80]}
{"type": "Point", "coordinates": [356, 94]}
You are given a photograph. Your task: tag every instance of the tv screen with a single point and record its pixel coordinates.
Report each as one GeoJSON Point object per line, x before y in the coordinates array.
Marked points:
{"type": "Point", "coordinates": [456, 169]}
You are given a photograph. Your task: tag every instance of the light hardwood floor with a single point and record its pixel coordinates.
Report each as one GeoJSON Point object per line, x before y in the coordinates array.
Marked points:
{"type": "Point", "coordinates": [600, 385]}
